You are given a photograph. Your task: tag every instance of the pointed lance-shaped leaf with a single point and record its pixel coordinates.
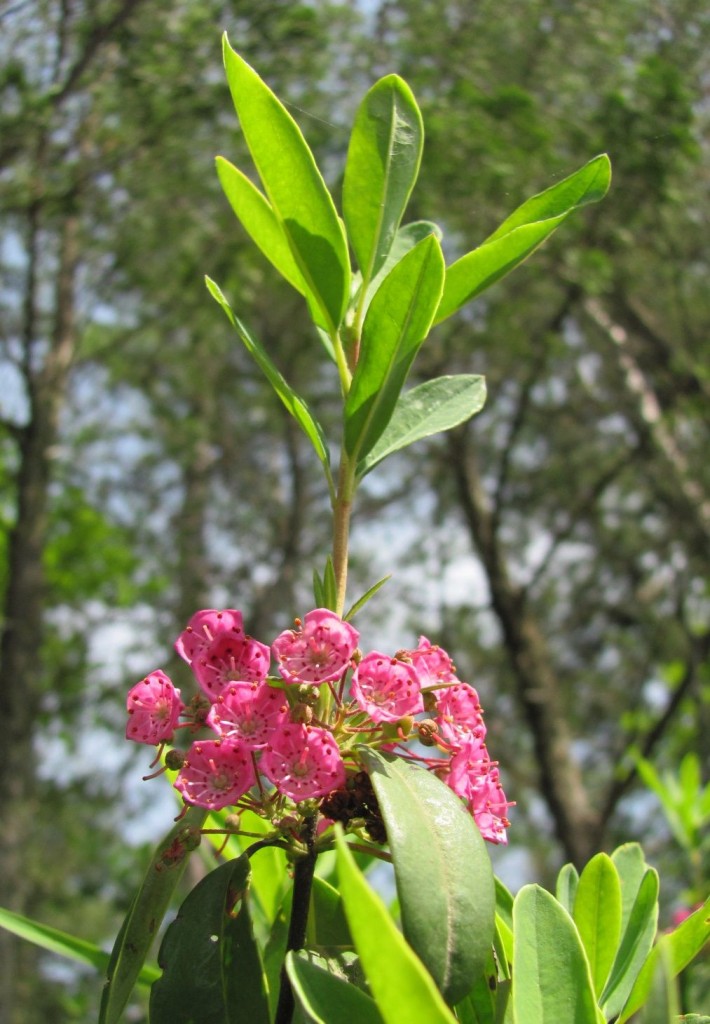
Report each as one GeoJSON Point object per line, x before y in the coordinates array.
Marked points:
{"type": "Point", "coordinates": [521, 233]}
{"type": "Point", "coordinates": [382, 166]}
{"type": "Point", "coordinates": [402, 987]}
{"type": "Point", "coordinates": [431, 407]}
{"type": "Point", "coordinates": [212, 970]}
{"type": "Point", "coordinates": [291, 400]}
{"type": "Point", "coordinates": [396, 324]}
{"type": "Point", "coordinates": [294, 187]}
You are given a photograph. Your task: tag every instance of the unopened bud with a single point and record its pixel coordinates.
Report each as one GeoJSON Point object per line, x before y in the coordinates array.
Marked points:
{"type": "Point", "coordinates": [302, 714]}
{"type": "Point", "coordinates": [427, 730]}
{"type": "Point", "coordinates": [429, 700]}
{"type": "Point", "coordinates": [233, 822]}
{"type": "Point", "coordinates": [175, 759]}
{"type": "Point", "coordinates": [307, 695]}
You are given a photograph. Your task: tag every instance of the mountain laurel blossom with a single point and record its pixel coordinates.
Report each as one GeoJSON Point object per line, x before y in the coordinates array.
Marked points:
{"type": "Point", "coordinates": [273, 743]}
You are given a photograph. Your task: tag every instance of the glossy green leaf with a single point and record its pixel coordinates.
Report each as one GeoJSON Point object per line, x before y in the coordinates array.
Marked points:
{"type": "Point", "coordinates": [442, 869]}
{"type": "Point", "coordinates": [146, 914]}
{"type": "Point", "coordinates": [381, 168]}
{"type": "Point", "coordinates": [429, 408]}
{"type": "Point", "coordinates": [663, 1003]}
{"type": "Point", "coordinates": [396, 324]}
{"type": "Point", "coordinates": [69, 946]}
{"type": "Point", "coordinates": [631, 866]}
{"type": "Point", "coordinates": [327, 999]}
{"type": "Point", "coordinates": [294, 187]}
{"type": "Point", "coordinates": [292, 401]}
{"type": "Point", "coordinates": [212, 972]}
{"type": "Point", "coordinates": [259, 220]}
{"type": "Point", "coordinates": [566, 889]}
{"type": "Point", "coordinates": [678, 948]}
{"type": "Point", "coordinates": [521, 233]}
{"type": "Point", "coordinates": [327, 923]}
{"type": "Point", "coordinates": [597, 914]}
{"type": "Point", "coordinates": [400, 984]}
{"type": "Point", "coordinates": [551, 979]}
{"type": "Point", "coordinates": [634, 948]}
{"type": "Point", "coordinates": [405, 240]}
{"type": "Point", "coordinates": [504, 902]}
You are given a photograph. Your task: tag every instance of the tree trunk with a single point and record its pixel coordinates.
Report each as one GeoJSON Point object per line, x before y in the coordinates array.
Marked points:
{"type": "Point", "coordinates": [539, 691]}
{"type": "Point", "coordinates": [21, 672]}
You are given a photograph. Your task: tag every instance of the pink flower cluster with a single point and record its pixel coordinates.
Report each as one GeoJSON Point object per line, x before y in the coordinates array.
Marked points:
{"type": "Point", "coordinates": [301, 730]}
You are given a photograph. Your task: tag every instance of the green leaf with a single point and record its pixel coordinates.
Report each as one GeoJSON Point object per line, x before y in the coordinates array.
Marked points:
{"type": "Point", "coordinates": [362, 601]}
{"type": "Point", "coordinates": [634, 948]}
{"type": "Point", "coordinates": [56, 941]}
{"type": "Point", "coordinates": [551, 982]}
{"type": "Point", "coordinates": [429, 408]}
{"type": "Point", "coordinates": [663, 1003]}
{"type": "Point", "coordinates": [632, 867]}
{"type": "Point", "coordinates": [146, 914]}
{"type": "Point", "coordinates": [381, 168]}
{"type": "Point", "coordinates": [326, 998]}
{"type": "Point", "coordinates": [405, 240]}
{"type": "Point", "coordinates": [597, 914]}
{"type": "Point", "coordinates": [327, 924]}
{"type": "Point", "coordinates": [291, 400]}
{"type": "Point", "coordinates": [259, 220]}
{"type": "Point", "coordinates": [442, 869]}
{"type": "Point", "coordinates": [212, 972]}
{"type": "Point", "coordinates": [294, 187]}
{"type": "Point", "coordinates": [521, 233]}
{"type": "Point", "coordinates": [679, 948]}
{"type": "Point", "coordinates": [396, 324]}
{"type": "Point", "coordinates": [401, 986]}
{"type": "Point", "coordinates": [566, 889]}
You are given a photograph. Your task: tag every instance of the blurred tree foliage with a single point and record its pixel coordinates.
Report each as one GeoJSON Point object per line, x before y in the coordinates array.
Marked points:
{"type": "Point", "coordinates": [559, 546]}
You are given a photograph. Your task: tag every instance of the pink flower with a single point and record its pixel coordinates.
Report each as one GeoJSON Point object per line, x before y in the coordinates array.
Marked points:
{"type": "Point", "coordinates": [153, 707]}
{"type": "Point", "coordinates": [476, 780]}
{"type": "Point", "coordinates": [387, 689]}
{"type": "Point", "coordinates": [432, 663]}
{"type": "Point", "coordinates": [489, 808]}
{"type": "Point", "coordinates": [249, 712]}
{"type": "Point", "coordinates": [458, 713]}
{"type": "Point", "coordinates": [216, 773]}
{"type": "Point", "coordinates": [319, 651]}
{"type": "Point", "coordinates": [230, 659]}
{"type": "Point", "coordinates": [303, 761]}
{"type": "Point", "coordinates": [204, 627]}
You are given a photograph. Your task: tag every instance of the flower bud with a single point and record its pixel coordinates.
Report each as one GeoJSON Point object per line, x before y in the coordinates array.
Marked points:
{"type": "Point", "coordinates": [233, 822]}
{"type": "Point", "coordinates": [427, 730]}
{"type": "Point", "coordinates": [301, 714]}
{"type": "Point", "coordinates": [174, 760]}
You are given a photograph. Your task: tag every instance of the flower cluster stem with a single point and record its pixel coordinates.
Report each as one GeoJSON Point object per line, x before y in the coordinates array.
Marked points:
{"type": "Point", "coordinates": [303, 871]}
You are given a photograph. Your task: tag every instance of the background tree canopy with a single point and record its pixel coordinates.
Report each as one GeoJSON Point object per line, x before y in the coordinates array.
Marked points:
{"type": "Point", "coordinates": [558, 545]}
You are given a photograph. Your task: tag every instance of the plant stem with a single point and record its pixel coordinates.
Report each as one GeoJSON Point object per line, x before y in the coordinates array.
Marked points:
{"type": "Point", "coordinates": [342, 510]}
{"type": "Point", "coordinates": [303, 870]}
